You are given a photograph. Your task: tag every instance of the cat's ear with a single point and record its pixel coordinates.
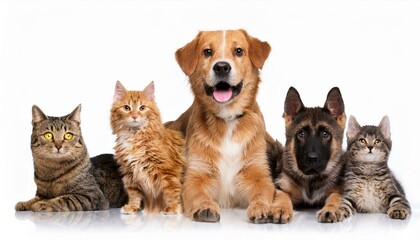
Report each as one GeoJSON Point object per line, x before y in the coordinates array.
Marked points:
{"type": "Point", "coordinates": [385, 127]}
{"type": "Point", "coordinates": [75, 115]}
{"type": "Point", "coordinates": [335, 106]}
{"type": "Point", "coordinates": [37, 115]}
{"type": "Point", "coordinates": [150, 91]}
{"type": "Point", "coordinates": [119, 91]}
{"type": "Point", "coordinates": [353, 128]}
{"type": "Point", "coordinates": [292, 105]}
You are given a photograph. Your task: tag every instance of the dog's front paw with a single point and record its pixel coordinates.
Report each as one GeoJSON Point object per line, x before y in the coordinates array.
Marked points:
{"type": "Point", "coordinates": [258, 212]}
{"type": "Point", "coordinates": [331, 215]}
{"type": "Point", "coordinates": [281, 214]}
{"type": "Point", "coordinates": [209, 212]}
{"type": "Point", "coordinates": [398, 211]}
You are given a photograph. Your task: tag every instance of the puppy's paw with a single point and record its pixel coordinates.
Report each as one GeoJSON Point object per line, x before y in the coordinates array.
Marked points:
{"type": "Point", "coordinates": [331, 215]}
{"type": "Point", "coordinates": [209, 212]}
{"type": "Point", "coordinates": [281, 214]}
{"type": "Point", "coordinates": [398, 211]}
{"type": "Point", "coordinates": [258, 212]}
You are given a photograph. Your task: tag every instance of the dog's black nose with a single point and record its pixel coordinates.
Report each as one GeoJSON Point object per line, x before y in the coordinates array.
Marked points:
{"type": "Point", "coordinates": [312, 156]}
{"type": "Point", "coordinates": [222, 68]}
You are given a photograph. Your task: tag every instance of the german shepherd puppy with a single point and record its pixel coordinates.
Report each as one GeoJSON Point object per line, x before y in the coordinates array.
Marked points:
{"type": "Point", "coordinates": [311, 169]}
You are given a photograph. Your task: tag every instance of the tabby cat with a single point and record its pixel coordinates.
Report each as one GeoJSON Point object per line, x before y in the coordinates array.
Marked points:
{"type": "Point", "coordinates": [150, 155]}
{"type": "Point", "coordinates": [369, 185]}
{"type": "Point", "coordinates": [66, 179]}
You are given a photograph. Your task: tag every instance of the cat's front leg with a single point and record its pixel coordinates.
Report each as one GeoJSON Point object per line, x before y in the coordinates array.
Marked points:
{"type": "Point", "coordinates": [69, 202]}
{"type": "Point", "coordinates": [399, 208]}
{"type": "Point", "coordinates": [135, 198]}
{"type": "Point", "coordinates": [26, 206]}
{"type": "Point", "coordinates": [172, 192]}
{"type": "Point", "coordinates": [332, 211]}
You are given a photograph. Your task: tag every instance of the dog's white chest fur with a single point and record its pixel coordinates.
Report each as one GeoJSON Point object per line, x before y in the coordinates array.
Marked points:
{"type": "Point", "coordinates": [230, 163]}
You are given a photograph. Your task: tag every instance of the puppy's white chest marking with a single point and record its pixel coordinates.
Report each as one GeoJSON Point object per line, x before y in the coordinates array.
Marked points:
{"type": "Point", "coordinates": [230, 164]}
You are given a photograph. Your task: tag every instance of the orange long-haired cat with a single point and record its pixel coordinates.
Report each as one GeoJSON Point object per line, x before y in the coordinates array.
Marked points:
{"type": "Point", "coordinates": [150, 156]}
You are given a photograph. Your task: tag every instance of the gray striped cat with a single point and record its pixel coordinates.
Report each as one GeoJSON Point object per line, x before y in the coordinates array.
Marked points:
{"type": "Point", "coordinates": [66, 178]}
{"type": "Point", "coordinates": [369, 184]}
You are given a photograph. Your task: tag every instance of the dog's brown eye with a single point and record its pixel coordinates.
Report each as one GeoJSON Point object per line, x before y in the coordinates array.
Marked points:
{"type": "Point", "coordinates": [239, 52]}
{"type": "Point", "coordinates": [325, 134]}
{"type": "Point", "coordinates": [302, 134]}
{"type": "Point", "coordinates": [207, 52]}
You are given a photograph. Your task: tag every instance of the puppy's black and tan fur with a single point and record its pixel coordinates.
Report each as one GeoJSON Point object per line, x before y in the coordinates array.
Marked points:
{"type": "Point", "coordinates": [311, 168]}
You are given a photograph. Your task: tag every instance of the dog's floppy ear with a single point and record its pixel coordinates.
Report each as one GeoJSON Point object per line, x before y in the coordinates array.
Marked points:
{"type": "Point", "coordinates": [258, 50]}
{"type": "Point", "coordinates": [187, 56]}
{"type": "Point", "coordinates": [335, 105]}
{"type": "Point", "coordinates": [292, 105]}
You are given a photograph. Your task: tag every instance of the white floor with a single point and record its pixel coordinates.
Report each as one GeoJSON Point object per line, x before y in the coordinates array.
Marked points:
{"type": "Point", "coordinates": [113, 225]}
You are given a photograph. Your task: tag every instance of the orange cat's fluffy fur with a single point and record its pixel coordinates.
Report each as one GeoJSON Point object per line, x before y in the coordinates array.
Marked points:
{"type": "Point", "coordinates": [150, 155]}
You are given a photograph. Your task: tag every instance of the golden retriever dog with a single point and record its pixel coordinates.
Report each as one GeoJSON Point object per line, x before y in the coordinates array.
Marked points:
{"type": "Point", "coordinates": [227, 146]}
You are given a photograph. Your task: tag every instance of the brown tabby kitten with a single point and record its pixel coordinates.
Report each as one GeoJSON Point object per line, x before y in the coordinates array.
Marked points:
{"type": "Point", "coordinates": [66, 179]}
{"type": "Point", "coordinates": [370, 186]}
{"type": "Point", "coordinates": [150, 155]}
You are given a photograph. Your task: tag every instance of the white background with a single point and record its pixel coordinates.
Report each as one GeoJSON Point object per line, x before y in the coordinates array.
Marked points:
{"type": "Point", "coordinates": [57, 54]}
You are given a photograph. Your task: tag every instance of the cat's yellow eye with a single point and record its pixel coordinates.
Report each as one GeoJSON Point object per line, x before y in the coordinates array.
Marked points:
{"type": "Point", "coordinates": [48, 136]}
{"type": "Point", "coordinates": [142, 107]}
{"type": "Point", "coordinates": [362, 141]}
{"type": "Point", "coordinates": [127, 108]}
{"type": "Point", "coordinates": [68, 136]}
{"type": "Point", "coordinates": [377, 141]}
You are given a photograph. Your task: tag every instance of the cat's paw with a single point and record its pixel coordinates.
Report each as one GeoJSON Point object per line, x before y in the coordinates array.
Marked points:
{"type": "Point", "coordinates": [130, 209]}
{"type": "Point", "coordinates": [22, 206]}
{"type": "Point", "coordinates": [331, 215]}
{"type": "Point", "coordinates": [258, 212]}
{"type": "Point", "coordinates": [42, 206]}
{"type": "Point", "coordinates": [172, 209]}
{"type": "Point", "coordinates": [281, 214]}
{"type": "Point", "coordinates": [398, 212]}
{"type": "Point", "coordinates": [209, 212]}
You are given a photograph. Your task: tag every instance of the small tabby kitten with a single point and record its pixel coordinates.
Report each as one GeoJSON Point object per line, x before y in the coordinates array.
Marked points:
{"type": "Point", "coordinates": [150, 155]}
{"type": "Point", "coordinates": [66, 179]}
{"type": "Point", "coordinates": [369, 185]}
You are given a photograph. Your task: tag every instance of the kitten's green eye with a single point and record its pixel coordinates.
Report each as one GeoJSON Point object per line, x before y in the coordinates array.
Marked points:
{"type": "Point", "coordinates": [377, 141]}
{"type": "Point", "coordinates": [362, 141]}
{"type": "Point", "coordinates": [48, 136]}
{"type": "Point", "coordinates": [68, 136]}
{"type": "Point", "coordinates": [127, 108]}
{"type": "Point", "coordinates": [142, 107]}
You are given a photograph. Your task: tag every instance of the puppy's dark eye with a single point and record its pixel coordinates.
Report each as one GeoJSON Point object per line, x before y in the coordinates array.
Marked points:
{"type": "Point", "coordinates": [302, 134]}
{"type": "Point", "coordinates": [239, 52]}
{"type": "Point", "coordinates": [325, 134]}
{"type": "Point", "coordinates": [207, 52]}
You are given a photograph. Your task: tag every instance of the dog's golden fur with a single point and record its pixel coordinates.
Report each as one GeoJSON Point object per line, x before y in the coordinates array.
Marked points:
{"type": "Point", "coordinates": [226, 142]}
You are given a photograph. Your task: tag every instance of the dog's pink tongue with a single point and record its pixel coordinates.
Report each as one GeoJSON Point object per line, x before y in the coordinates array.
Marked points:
{"type": "Point", "coordinates": [222, 95]}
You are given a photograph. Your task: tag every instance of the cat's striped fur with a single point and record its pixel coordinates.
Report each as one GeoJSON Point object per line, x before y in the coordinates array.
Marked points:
{"type": "Point", "coordinates": [66, 178]}
{"type": "Point", "coordinates": [370, 186]}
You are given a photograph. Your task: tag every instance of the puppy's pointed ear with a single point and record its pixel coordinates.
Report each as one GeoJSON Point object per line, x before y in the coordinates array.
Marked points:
{"type": "Point", "coordinates": [292, 105]}
{"type": "Point", "coordinates": [353, 128]}
{"type": "Point", "coordinates": [187, 56]}
{"type": "Point", "coordinates": [258, 50]}
{"type": "Point", "coordinates": [335, 105]}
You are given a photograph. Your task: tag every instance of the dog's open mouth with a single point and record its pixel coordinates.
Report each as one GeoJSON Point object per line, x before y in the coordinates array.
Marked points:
{"type": "Point", "coordinates": [223, 92]}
